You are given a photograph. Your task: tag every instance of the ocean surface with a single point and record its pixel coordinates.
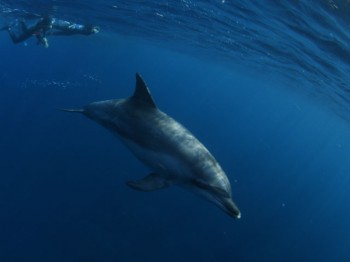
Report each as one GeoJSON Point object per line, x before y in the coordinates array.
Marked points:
{"type": "Point", "coordinates": [263, 84]}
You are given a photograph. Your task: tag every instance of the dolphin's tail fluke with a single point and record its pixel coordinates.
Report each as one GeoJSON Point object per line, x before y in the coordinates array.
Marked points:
{"type": "Point", "coordinates": [72, 110]}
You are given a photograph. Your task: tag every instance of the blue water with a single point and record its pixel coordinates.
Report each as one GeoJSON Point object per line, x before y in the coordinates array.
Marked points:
{"type": "Point", "coordinates": [263, 84]}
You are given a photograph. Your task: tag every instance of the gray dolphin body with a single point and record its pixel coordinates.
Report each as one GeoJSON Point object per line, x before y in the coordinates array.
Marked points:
{"type": "Point", "coordinates": [173, 154]}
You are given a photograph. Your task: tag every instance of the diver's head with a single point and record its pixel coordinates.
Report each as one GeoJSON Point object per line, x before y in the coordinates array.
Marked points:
{"type": "Point", "coordinates": [92, 29]}
{"type": "Point", "coordinates": [95, 29]}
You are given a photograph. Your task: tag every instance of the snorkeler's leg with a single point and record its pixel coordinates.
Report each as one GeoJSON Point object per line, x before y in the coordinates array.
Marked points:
{"type": "Point", "coordinates": [4, 28]}
{"type": "Point", "coordinates": [23, 25]}
{"type": "Point", "coordinates": [15, 39]}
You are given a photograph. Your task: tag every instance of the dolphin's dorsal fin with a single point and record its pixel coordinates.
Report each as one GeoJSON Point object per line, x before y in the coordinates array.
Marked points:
{"type": "Point", "coordinates": [142, 95]}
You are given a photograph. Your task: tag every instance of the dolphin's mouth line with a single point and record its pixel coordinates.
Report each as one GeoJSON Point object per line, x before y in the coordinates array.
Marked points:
{"type": "Point", "coordinates": [229, 210]}
{"type": "Point", "coordinates": [72, 110]}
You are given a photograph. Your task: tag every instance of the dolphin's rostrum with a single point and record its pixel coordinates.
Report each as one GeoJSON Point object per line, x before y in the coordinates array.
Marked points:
{"type": "Point", "coordinates": [173, 154]}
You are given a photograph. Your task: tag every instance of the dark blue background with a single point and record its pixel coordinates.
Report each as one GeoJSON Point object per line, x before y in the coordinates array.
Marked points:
{"type": "Point", "coordinates": [62, 177]}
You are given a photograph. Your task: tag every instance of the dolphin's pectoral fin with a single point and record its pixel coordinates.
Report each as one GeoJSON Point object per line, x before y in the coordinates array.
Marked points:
{"type": "Point", "coordinates": [216, 190]}
{"type": "Point", "coordinates": [149, 183]}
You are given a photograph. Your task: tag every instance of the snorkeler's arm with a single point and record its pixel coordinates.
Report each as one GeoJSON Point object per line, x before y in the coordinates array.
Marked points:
{"type": "Point", "coordinates": [41, 39]}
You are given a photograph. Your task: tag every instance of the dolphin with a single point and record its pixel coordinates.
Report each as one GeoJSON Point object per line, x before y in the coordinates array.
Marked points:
{"type": "Point", "coordinates": [173, 153]}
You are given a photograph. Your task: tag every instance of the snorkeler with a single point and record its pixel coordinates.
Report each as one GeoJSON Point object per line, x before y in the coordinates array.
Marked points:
{"type": "Point", "coordinates": [46, 26]}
